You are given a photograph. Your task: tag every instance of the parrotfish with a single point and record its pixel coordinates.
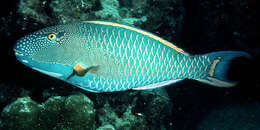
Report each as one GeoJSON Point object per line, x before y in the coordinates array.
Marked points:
{"type": "Point", "coordinates": [104, 56]}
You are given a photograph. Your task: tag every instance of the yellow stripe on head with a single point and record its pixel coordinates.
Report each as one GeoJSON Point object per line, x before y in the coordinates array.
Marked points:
{"type": "Point", "coordinates": [142, 32]}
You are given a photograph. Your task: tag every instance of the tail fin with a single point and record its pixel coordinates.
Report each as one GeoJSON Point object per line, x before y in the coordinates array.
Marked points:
{"type": "Point", "coordinates": [220, 64]}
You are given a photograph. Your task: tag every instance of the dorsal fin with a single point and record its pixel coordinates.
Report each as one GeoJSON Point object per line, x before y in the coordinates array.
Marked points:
{"type": "Point", "coordinates": [165, 42]}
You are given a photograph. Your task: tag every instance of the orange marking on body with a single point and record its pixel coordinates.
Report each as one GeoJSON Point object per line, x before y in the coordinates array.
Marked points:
{"type": "Point", "coordinates": [80, 70]}
{"type": "Point", "coordinates": [213, 66]}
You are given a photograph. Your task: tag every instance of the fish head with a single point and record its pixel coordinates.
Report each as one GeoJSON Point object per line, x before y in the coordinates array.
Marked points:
{"type": "Point", "coordinates": [49, 50]}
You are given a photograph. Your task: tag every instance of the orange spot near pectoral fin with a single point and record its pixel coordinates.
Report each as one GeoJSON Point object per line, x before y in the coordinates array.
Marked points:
{"type": "Point", "coordinates": [79, 70]}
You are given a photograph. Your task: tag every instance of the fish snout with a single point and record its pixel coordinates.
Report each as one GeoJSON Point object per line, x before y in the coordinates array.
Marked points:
{"type": "Point", "coordinates": [25, 46]}
{"type": "Point", "coordinates": [19, 49]}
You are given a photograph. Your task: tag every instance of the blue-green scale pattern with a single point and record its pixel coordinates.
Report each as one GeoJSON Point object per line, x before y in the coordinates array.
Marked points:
{"type": "Point", "coordinates": [133, 59]}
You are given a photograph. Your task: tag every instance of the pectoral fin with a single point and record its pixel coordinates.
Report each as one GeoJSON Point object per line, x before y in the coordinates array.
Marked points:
{"type": "Point", "coordinates": [79, 70]}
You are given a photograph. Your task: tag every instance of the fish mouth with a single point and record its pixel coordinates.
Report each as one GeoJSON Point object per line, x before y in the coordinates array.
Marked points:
{"type": "Point", "coordinates": [21, 56]}
{"type": "Point", "coordinates": [19, 53]}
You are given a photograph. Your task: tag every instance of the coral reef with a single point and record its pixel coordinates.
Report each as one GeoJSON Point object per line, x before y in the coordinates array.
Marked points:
{"type": "Point", "coordinates": [30, 9]}
{"type": "Point", "coordinates": [21, 114]}
{"type": "Point", "coordinates": [70, 11]}
{"type": "Point", "coordinates": [57, 11]}
{"type": "Point", "coordinates": [126, 109]}
{"type": "Point", "coordinates": [10, 92]}
{"type": "Point", "coordinates": [157, 106]}
{"type": "Point", "coordinates": [106, 127]}
{"type": "Point", "coordinates": [127, 121]}
{"type": "Point", "coordinates": [72, 112]}
{"type": "Point", "coordinates": [135, 12]}
{"type": "Point", "coordinates": [196, 26]}
{"type": "Point", "coordinates": [111, 10]}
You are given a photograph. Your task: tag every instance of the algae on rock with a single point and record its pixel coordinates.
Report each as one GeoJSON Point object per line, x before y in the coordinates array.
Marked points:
{"type": "Point", "coordinates": [112, 11]}
{"type": "Point", "coordinates": [22, 114]}
{"type": "Point", "coordinates": [152, 16]}
{"type": "Point", "coordinates": [59, 11]}
{"type": "Point", "coordinates": [72, 112]}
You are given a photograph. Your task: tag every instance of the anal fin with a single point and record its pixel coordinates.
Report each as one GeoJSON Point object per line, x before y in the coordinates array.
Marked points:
{"type": "Point", "coordinates": [158, 85]}
{"type": "Point", "coordinates": [217, 82]}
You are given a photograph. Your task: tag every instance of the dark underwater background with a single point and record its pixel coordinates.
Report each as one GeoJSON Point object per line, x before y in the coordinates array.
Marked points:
{"type": "Point", "coordinates": [32, 101]}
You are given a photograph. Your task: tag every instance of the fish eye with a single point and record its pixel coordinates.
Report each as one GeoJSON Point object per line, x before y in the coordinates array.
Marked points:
{"type": "Point", "coordinates": [52, 36]}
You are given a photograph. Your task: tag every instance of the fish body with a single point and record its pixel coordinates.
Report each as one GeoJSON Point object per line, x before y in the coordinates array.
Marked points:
{"type": "Point", "coordinates": [101, 56]}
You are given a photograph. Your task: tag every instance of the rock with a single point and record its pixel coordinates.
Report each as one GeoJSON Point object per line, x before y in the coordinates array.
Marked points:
{"type": "Point", "coordinates": [59, 11]}
{"type": "Point", "coordinates": [155, 106]}
{"type": "Point", "coordinates": [72, 112]}
{"type": "Point", "coordinates": [56, 11]}
{"type": "Point", "coordinates": [80, 112]}
{"type": "Point", "coordinates": [112, 11]}
{"type": "Point", "coordinates": [22, 114]}
{"type": "Point", "coordinates": [1, 124]}
{"type": "Point", "coordinates": [10, 92]}
{"type": "Point", "coordinates": [150, 15]}
{"type": "Point", "coordinates": [34, 10]}
{"type": "Point", "coordinates": [127, 109]}
{"type": "Point", "coordinates": [132, 122]}
{"type": "Point", "coordinates": [127, 121]}
{"type": "Point", "coordinates": [70, 11]}
{"type": "Point", "coordinates": [109, 11]}
{"type": "Point", "coordinates": [106, 127]}
{"type": "Point", "coordinates": [53, 113]}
